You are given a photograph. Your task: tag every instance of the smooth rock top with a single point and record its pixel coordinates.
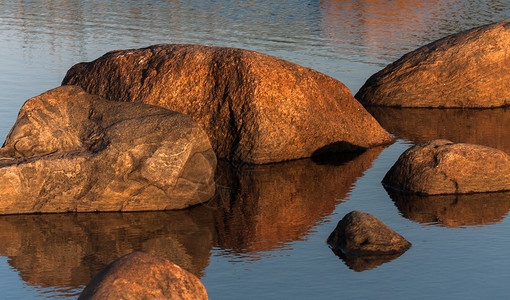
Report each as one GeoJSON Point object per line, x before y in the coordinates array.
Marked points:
{"type": "Point", "coordinates": [72, 151]}
{"type": "Point", "coordinates": [444, 167]}
{"type": "Point", "coordinates": [470, 69]}
{"type": "Point", "coordinates": [140, 275]}
{"type": "Point", "coordinates": [361, 234]}
{"type": "Point", "coordinates": [254, 107]}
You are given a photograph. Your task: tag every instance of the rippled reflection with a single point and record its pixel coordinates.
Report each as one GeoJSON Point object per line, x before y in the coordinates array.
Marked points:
{"type": "Point", "coordinates": [487, 127]}
{"type": "Point", "coordinates": [453, 210]}
{"type": "Point", "coordinates": [66, 250]}
{"type": "Point", "coordinates": [265, 207]}
{"type": "Point", "coordinates": [364, 263]}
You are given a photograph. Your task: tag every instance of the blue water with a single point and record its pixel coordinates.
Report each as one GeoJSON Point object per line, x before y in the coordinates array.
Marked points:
{"type": "Point", "coordinates": [268, 240]}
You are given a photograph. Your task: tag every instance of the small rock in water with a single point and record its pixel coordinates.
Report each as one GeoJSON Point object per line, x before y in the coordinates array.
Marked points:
{"type": "Point", "coordinates": [362, 234]}
{"type": "Point", "coordinates": [140, 275]}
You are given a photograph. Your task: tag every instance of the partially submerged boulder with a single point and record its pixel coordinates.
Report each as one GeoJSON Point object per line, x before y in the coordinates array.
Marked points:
{"type": "Point", "coordinates": [72, 151]}
{"type": "Point", "coordinates": [140, 275]}
{"type": "Point", "coordinates": [254, 107]}
{"type": "Point", "coordinates": [470, 69]}
{"type": "Point", "coordinates": [443, 167]}
{"type": "Point", "coordinates": [362, 234]}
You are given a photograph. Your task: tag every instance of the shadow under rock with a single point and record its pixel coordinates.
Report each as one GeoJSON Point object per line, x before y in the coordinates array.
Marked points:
{"type": "Point", "coordinates": [453, 210]}
{"type": "Point", "coordinates": [364, 263]}
{"type": "Point", "coordinates": [67, 250]}
{"type": "Point", "coordinates": [488, 127]}
{"type": "Point", "coordinates": [265, 207]}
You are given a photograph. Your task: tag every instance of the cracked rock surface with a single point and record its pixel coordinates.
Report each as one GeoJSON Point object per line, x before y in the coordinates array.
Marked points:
{"type": "Point", "coordinates": [443, 167]}
{"type": "Point", "coordinates": [70, 151]}
{"type": "Point", "coordinates": [254, 107]}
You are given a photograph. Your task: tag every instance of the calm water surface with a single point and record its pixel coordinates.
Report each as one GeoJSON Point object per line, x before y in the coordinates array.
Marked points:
{"type": "Point", "coordinates": [263, 235]}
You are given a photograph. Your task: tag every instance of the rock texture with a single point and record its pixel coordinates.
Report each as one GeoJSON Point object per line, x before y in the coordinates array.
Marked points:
{"type": "Point", "coordinates": [470, 69]}
{"type": "Point", "coordinates": [254, 107]}
{"type": "Point", "coordinates": [140, 275]}
{"type": "Point", "coordinates": [72, 151]}
{"type": "Point", "coordinates": [453, 210]}
{"type": "Point", "coordinates": [362, 234]}
{"type": "Point", "coordinates": [488, 127]}
{"type": "Point", "coordinates": [444, 167]}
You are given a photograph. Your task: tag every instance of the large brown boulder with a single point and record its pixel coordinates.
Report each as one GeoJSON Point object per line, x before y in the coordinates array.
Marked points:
{"type": "Point", "coordinates": [444, 167]}
{"type": "Point", "coordinates": [140, 275]}
{"type": "Point", "coordinates": [470, 69]}
{"type": "Point", "coordinates": [72, 151]}
{"type": "Point", "coordinates": [362, 234]}
{"type": "Point", "coordinates": [254, 107]}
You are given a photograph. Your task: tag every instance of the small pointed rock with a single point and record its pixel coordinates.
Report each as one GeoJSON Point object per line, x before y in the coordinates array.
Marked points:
{"type": "Point", "coordinates": [361, 234]}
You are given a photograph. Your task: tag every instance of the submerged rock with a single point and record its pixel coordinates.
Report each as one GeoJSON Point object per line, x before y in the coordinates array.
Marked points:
{"type": "Point", "coordinates": [468, 69]}
{"type": "Point", "coordinates": [254, 107]}
{"type": "Point", "coordinates": [444, 167]}
{"type": "Point", "coordinates": [140, 275]}
{"type": "Point", "coordinates": [72, 151]}
{"type": "Point", "coordinates": [362, 234]}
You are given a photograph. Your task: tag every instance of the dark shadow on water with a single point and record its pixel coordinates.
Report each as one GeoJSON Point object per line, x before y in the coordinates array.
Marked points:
{"type": "Point", "coordinates": [66, 250]}
{"type": "Point", "coordinates": [487, 127]}
{"type": "Point", "coordinates": [364, 263]}
{"type": "Point", "coordinates": [265, 207]}
{"type": "Point", "coordinates": [453, 210]}
{"type": "Point", "coordinates": [336, 153]}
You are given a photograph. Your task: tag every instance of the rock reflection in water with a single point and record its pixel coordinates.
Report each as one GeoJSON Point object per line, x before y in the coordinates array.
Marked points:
{"type": "Point", "coordinates": [265, 207]}
{"type": "Point", "coordinates": [66, 250]}
{"type": "Point", "coordinates": [364, 263]}
{"type": "Point", "coordinates": [487, 127]}
{"type": "Point", "coordinates": [453, 210]}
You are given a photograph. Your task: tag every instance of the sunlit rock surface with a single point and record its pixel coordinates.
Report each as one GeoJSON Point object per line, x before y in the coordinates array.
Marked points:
{"type": "Point", "coordinates": [66, 250]}
{"type": "Point", "coordinates": [444, 167]}
{"type": "Point", "coordinates": [72, 151]}
{"type": "Point", "coordinates": [488, 127]}
{"type": "Point", "coordinates": [261, 208]}
{"type": "Point", "coordinates": [453, 210]}
{"type": "Point", "coordinates": [470, 69]}
{"type": "Point", "coordinates": [362, 234]}
{"type": "Point", "coordinates": [141, 275]}
{"type": "Point", "coordinates": [255, 108]}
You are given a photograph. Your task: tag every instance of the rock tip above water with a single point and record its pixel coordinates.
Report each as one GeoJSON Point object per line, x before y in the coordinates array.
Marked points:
{"type": "Point", "coordinates": [139, 275]}
{"type": "Point", "coordinates": [362, 234]}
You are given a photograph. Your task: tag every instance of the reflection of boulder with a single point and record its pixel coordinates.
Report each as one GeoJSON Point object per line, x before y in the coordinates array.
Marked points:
{"type": "Point", "coordinates": [141, 275]}
{"type": "Point", "coordinates": [487, 127]}
{"type": "Point", "coordinates": [68, 249]}
{"type": "Point", "coordinates": [271, 205]}
{"type": "Point", "coordinates": [254, 107]}
{"type": "Point", "coordinates": [364, 263]}
{"type": "Point", "coordinates": [453, 210]}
